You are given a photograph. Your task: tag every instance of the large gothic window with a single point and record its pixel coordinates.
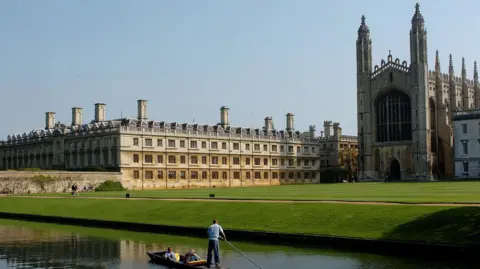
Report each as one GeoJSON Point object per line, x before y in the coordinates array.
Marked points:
{"type": "Point", "coordinates": [393, 117]}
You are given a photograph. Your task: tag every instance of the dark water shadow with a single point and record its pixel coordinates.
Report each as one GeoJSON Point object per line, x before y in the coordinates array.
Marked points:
{"type": "Point", "coordinates": [459, 226]}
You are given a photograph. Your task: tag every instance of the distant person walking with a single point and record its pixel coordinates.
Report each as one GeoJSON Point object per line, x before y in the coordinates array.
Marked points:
{"type": "Point", "coordinates": [214, 232]}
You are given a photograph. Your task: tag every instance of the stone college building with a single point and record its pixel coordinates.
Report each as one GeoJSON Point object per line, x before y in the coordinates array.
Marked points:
{"type": "Point", "coordinates": [405, 110]}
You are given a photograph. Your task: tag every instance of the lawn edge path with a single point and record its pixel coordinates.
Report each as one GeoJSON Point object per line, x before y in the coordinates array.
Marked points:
{"type": "Point", "coordinates": [238, 200]}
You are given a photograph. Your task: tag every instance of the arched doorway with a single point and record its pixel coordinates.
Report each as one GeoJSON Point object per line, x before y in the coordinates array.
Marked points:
{"type": "Point", "coordinates": [395, 174]}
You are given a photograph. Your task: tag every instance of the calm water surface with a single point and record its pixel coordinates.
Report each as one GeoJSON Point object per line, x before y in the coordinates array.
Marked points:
{"type": "Point", "coordinates": [33, 245]}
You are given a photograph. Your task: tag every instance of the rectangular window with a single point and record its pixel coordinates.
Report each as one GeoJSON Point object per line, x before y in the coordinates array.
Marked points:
{"type": "Point", "coordinates": [274, 148]}
{"type": "Point", "coordinates": [159, 158]}
{"type": "Point", "coordinates": [159, 174]}
{"type": "Point", "coordinates": [214, 160]}
{"type": "Point", "coordinates": [204, 175]}
{"type": "Point", "coordinates": [465, 167]}
{"type": "Point", "coordinates": [204, 159]}
{"type": "Point", "coordinates": [182, 159]}
{"type": "Point", "coordinates": [274, 162]}
{"type": "Point", "coordinates": [465, 147]}
{"type": "Point", "coordinates": [135, 141]}
{"type": "Point", "coordinates": [159, 143]}
{"type": "Point", "coordinates": [193, 144]}
{"type": "Point", "coordinates": [182, 143]}
{"type": "Point", "coordinates": [136, 174]}
{"type": "Point", "coordinates": [171, 143]}
{"type": "Point", "coordinates": [214, 145]}
{"type": "Point", "coordinates": [194, 175]}
{"type": "Point", "coordinates": [172, 159]}
{"type": "Point", "coordinates": [265, 147]}
{"type": "Point", "coordinates": [257, 175]}
{"type": "Point", "coordinates": [247, 175]}
{"type": "Point", "coordinates": [148, 174]}
{"type": "Point", "coordinates": [193, 159]}
{"type": "Point", "coordinates": [135, 158]}
{"type": "Point", "coordinates": [464, 128]}
{"type": "Point", "coordinates": [148, 142]}
{"type": "Point", "coordinates": [247, 161]}
{"type": "Point", "coordinates": [265, 161]}
{"type": "Point", "coordinates": [224, 145]}
{"type": "Point", "coordinates": [204, 145]}
{"type": "Point", "coordinates": [256, 161]}
{"type": "Point", "coordinates": [247, 146]}
{"type": "Point", "coordinates": [282, 148]}
{"type": "Point", "coordinates": [236, 146]}
{"type": "Point", "coordinates": [236, 161]}
{"type": "Point", "coordinates": [256, 147]}
{"type": "Point", "coordinates": [183, 175]}
{"type": "Point", "coordinates": [224, 175]}
{"type": "Point", "coordinates": [224, 160]}
{"type": "Point", "coordinates": [148, 158]}
{"type": "Point", "coordinates": [172, 175]}
{"type": "Point", "coordinates": [274, 175]}
{"type": "Point", "coordinates": [214, 175]}
{"type": "Point", "coordinates": [236, 175]}
{"type": "Point", "coordinates": [265, 175]}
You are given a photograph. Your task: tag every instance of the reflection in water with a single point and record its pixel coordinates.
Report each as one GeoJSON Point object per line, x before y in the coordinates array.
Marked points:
{"type": "Point", "coordinates": [51, 247]}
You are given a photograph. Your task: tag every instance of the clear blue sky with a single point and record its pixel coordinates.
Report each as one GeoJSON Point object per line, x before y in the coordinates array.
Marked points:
{"type": "Point", "coordinates": [188, 58]}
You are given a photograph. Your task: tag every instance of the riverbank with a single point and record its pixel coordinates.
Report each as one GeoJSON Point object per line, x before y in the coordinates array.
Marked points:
{"type": "Point", "coordinates": [402, 229]}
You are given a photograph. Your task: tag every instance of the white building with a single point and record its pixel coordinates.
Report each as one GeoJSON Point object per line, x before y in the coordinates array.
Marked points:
{"type": "Point", "coordinates": [466, 139]}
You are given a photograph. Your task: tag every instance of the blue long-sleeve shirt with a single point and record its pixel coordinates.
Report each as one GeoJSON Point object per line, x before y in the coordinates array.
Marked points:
{"type": "Point", "coordinates": [214, 232]}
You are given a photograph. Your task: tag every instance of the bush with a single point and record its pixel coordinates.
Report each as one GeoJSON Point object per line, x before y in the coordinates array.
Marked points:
{"type": "Point", "coordinates": [110, 185]}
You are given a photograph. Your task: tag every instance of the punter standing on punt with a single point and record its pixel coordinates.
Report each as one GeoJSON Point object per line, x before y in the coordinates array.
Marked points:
{"type": "Point", "coordinates": [214, 232]}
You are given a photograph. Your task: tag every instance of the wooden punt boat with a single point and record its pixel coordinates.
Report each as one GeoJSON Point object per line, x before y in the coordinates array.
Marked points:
{"type": "Point", "coordinates": [158, 258]}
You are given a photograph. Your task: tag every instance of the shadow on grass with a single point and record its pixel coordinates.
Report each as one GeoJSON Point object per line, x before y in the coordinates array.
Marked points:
{"type": "Point", "coordinates": [459, 226]}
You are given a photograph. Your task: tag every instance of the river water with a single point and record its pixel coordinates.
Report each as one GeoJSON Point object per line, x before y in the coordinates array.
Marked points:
{"type": "Point", "coordinates": [37, 245]}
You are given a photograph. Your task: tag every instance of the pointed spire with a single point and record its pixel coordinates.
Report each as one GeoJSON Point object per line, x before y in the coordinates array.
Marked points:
{"type": "Point", "coordinates": [417, 17]}
{"type": "Point", "coordinates": [450, 65]}
{"type": "Point", "coordinates": [464, 70]}
{"type": "Point", "coordinates": [363, 27]}
{"type": "Point", "coordinates": [437, 63]}
{"type": "Point", "coordinates": [475, 71]}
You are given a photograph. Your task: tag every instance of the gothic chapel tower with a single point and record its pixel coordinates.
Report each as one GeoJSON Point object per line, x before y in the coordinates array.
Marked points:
{"type": "Point", "coordinates": [396, 109]}
{"type": "Point", "coordinates": [364, 69]}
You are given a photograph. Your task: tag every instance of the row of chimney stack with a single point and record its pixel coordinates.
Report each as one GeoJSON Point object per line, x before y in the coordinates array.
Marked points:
{"type": "Point", "coordinates": [100, 114]}
{"type": "Point", "coordinates": [224, 122]}
{"type": "Point", "coordinates": [101, 109]}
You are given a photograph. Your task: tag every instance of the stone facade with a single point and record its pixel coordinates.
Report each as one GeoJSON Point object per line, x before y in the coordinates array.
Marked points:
{"type": "Point", "coordinates": [163, 155]}
{"type": "Point", "coordinates": [466, 134]}
{"type": "Point", "coordinates": [405, 110]}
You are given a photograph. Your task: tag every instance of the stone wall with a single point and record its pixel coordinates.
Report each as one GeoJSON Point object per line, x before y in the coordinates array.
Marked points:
{"type": "Point", "coordinates": [160, 184]}
{"type": "Point", "coordinates": [52, 181]}
{"type": "Point", "coordinates": [62, 181]}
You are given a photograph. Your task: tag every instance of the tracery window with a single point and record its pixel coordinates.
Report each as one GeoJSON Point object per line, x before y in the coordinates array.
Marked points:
{"type": "Point", "coordinates": [393, 117]}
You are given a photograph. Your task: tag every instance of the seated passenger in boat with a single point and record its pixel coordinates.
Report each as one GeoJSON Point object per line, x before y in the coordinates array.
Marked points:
{"type": "Point", "coordinates": [191, 256]}
{"type": "Point", "coordinates": [170, 255]}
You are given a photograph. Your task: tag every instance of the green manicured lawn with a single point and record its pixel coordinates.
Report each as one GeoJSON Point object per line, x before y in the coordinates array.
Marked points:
{"type": "Point", "coordinates": [456, 225]}
{"type": "Point", "coordinates": [466, 192]}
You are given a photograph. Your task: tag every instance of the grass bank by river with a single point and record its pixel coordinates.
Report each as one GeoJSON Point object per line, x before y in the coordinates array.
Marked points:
{"type": "Point", "coordinates": [421, 192]}
{"type": "Point", "coordinates": [452, 225]}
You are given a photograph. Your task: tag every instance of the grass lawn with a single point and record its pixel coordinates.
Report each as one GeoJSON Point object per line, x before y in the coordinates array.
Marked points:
{"type": "Point", "coordinates": [466, 192]}
{"type": "Point", "coordinates": [456, 225]}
